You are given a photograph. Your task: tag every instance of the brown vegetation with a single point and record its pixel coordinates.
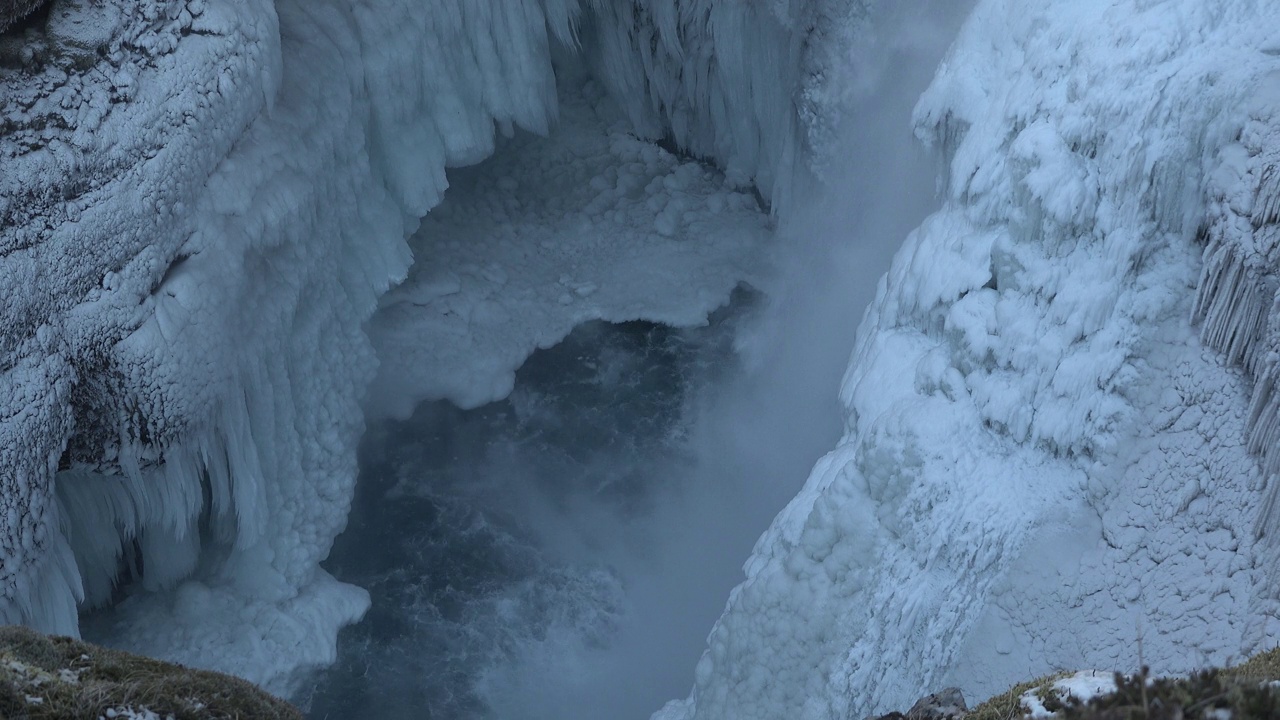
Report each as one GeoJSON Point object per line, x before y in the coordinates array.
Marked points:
{"type": "Point", "coordinates": [43, 678]}
{"type": "Point", "coordinates": [1243, 692]}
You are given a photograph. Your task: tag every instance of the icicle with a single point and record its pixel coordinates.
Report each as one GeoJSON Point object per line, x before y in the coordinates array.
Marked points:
{"type": "Point", "coordinates": [1263, 421]}
{"type": "Point", "coordinates": [46, 597]}
{"type": "Point", "coordinates": [1266, 209]}
{"type": "Point", "coordinates": [1236, 302]}
{"type": "Point", "coordinates": [1264, 433]}
{"type": "Point", "coordinates": [722, 79]}
{"type": "Point", "coordinates": [1232, 304]}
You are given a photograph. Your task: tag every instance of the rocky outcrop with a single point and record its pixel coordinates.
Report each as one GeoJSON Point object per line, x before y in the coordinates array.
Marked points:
{"type": "Point", "coordinates": [58, 677]}
{"type": "Point", "coordinates": [945, 704]}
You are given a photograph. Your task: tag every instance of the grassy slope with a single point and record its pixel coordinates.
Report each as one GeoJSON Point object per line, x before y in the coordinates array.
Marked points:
{"type": "Point", "coordinates": [44, 677]}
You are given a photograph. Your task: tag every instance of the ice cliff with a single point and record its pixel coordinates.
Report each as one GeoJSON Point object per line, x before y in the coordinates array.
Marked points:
{"type": "Point", "coordinates": [201, 203]}
{"type": "Point", "coordinates": [1062, 394]}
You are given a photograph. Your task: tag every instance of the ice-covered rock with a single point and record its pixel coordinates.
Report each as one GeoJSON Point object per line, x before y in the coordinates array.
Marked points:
{"type": "Point", "coordinates": [82, 28]}
{"type": "Point", "coordinates": [1236, 300]}
{"type": "Point", "coordinates": [1044, 466]}
{"type": "Point", "coordinates": [201, 202]}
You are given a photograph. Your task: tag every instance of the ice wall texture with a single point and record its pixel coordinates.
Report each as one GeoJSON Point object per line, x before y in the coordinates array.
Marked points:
{"type": "Point", "coordinates": [201, 202]}
{"type": "Point", "coordinates": [1237, 300]}
{"type": "Point", "coordinates": [1044, 465]}
{"type": "Point", "coordinates": [736, 82]}
{"type": "Point", "coordinates": [197, 224]}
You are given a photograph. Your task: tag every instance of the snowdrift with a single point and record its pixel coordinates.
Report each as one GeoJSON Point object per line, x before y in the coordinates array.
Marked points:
{"type": "Point", "coordinates": [201, 202]}
{"type": "Point", "coordinates": [1045, 466]}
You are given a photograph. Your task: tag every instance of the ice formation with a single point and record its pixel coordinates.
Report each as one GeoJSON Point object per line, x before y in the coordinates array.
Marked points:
{"type": "Point", "coordinates": [1049, 447]}
{"type": "Point", "coordinates": [202, 202]}
{"type": "Point", "coordinates": [1044, 467]}
{"type": "Point", "coordinates": [1235, 302]}
{"type": "Point", "coordinates": [590, 223]}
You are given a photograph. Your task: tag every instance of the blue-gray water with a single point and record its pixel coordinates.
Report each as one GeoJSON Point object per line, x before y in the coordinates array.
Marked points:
{"type": "Point", "coordinates": [483, 536]}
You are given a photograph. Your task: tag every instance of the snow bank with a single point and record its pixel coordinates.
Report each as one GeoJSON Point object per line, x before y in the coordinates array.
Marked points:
{"type": "Point", "coordinates": [201, 202]}
{"type": "Point", "coordinates": [1042, 464]}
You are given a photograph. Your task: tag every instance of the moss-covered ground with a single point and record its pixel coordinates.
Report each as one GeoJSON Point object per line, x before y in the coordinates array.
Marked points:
{"type": "Point", "coordinates": [43, 678]}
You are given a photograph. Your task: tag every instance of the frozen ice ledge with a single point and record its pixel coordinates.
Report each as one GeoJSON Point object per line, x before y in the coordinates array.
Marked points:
{"type": "Point", "coordinates": [201, 203]}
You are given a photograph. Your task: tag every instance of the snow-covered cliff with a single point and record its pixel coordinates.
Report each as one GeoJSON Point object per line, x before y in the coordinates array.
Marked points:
{"type": "Point", "coordinates": [1045, 467]}
{"type": "Point", "coordinates": [201, 203]}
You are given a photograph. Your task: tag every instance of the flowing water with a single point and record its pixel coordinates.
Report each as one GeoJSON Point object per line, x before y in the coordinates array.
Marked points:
{"type": "Point", "coordinates": [497, 539]}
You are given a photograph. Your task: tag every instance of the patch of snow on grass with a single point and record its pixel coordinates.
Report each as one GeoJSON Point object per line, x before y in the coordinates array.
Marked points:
{"type": "Point", "coordinates": [1083, 686]}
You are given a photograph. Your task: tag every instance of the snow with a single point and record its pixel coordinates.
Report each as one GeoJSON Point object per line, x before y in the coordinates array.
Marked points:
{"type": "Point", "coordinates": [588, 224]}
{"type": "Point", "coordinates": [1083, 686]}
{"type": "Point", "coordinates": [202, 202]}
{"type": "Point", "coordinates": [129, 713]}
{"type": "Point", "coordinates": [1042, 464]}
{"type": "Point", "coordinates": [1238, 284]}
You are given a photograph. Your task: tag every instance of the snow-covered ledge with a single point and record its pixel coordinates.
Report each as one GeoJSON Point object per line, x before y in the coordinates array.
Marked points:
{"type": "Point", "coordinates": [201, 202]}
{"type": "Point", "coordinates": [1044, 466]}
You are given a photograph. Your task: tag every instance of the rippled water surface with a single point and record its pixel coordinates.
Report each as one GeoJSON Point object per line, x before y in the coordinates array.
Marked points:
{"type": "Point", "coordinates": [491, 540]}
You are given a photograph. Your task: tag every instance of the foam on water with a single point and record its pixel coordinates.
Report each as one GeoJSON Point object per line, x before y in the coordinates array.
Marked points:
{"type": "Point", "coordinates": [501, 542]}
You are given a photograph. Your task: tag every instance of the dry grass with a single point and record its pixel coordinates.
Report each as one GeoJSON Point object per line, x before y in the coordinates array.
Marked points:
{"type": "Point", "coordinates": [1205, 695]}
{"type": "Point", "coordinates": [73, 679]}
{"type": "Point", "coordinates": [1009, 704]}
{"type": "Point", "coordinates": [1263, 667]}
{"type": "Point", "coordinates": [1245, 690]}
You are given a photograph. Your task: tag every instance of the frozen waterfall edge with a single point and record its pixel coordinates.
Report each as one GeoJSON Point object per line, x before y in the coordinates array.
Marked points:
{"type": "Point", "coordinates": [207, 199]}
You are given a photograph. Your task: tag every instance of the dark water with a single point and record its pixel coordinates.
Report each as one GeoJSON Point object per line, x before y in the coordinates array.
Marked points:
{"type": "Point", "coordinates": [478, 533]}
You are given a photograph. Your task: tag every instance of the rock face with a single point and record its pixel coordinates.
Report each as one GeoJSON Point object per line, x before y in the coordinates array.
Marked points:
{"type": "Point", "coordinates": [947, 704]}
{"type": "Point", "coordinates": [58, 677]}
{"type": "Point", "coordinates": [11, 11]}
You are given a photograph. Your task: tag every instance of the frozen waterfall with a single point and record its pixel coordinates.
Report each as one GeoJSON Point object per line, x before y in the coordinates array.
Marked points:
{"type": "Point", "coordinates": [204, 201]}
{"type": "Point", "coordinates": [237, 237]}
